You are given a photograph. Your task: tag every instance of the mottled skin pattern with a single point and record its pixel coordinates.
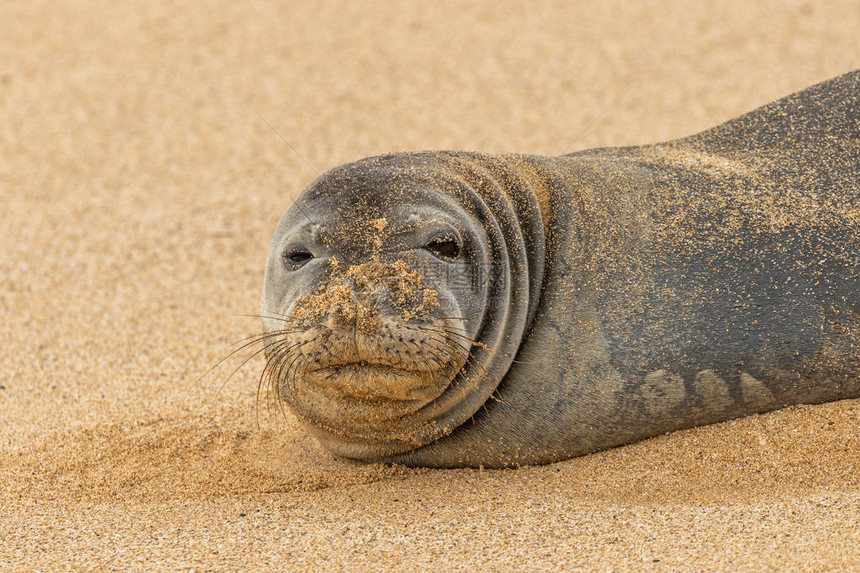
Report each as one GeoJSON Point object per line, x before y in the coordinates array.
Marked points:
{"type": "Point", "coordinates": [679, 284]}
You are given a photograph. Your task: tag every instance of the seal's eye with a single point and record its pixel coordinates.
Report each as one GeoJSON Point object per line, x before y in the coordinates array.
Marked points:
{"type": "Point", "coordinates": [294, 259]}
{"type": "Point", "coordinates": [444, 247]}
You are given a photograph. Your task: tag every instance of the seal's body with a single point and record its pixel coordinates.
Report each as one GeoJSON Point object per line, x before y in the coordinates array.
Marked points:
{"type": "Point", "coordinates": [564, 305]}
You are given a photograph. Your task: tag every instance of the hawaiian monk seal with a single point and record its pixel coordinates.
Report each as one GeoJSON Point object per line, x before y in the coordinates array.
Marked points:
{"type": "Point", "coordinates": [463, 309]}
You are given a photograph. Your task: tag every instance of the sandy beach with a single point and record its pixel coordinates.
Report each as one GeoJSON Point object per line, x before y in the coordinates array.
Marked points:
{"type": "Point", "coordinates": [146, 154]}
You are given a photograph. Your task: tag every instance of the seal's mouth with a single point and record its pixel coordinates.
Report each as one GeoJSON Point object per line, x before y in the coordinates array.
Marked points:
{"type": "Point", "coordinates": [366, 366]}
{"type": "Point", "coordinates": [373, 381]}
{"type": "Point", "coordinates": [361, 366]}
{"type": "Point", "coordinates": [365, 400]}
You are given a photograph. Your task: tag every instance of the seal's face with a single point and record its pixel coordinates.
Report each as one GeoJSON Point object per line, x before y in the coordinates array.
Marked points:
{"type": "Point", "coordinates": [371, 304]}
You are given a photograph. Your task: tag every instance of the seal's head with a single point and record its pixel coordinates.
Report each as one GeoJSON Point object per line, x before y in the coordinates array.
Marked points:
{"type": "Point", "coordinates": [396, 294]}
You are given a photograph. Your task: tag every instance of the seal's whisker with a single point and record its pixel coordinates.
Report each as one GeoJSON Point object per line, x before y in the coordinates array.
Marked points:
{"type": "Point", "coordinates": [437, 353]}
{"type": "Point", "coordinates": [482, 374]}
{"type": "Point", "coordinates": [444, 330]}
{"type": "Point", "coordinates": [245, 343]}
{"type": "Point", "coordinates": [272, 316]}
{"type": "Point", "coordinates": [479, 344]}
{"type": "Point", "coordinates": [451, 345]}
{"type": "Point", "coordinates": [284, 364]}
{"type": "Point", "coordinates": [436, 335]}
{"type": "Point", "coordinates": [291, 364]}
{"type": "Point", "coordinates": [273, 351]}
{"type": "Point", "coordinates": [472, 341]}
{"type": "Point", "coordinates": [255, 338]}
{"type": "Point", "coordinates": [276, 357]}
{"type": "Point", "coordinates": [288, 363]}
{"type": "Point", "coordinates": [473, 360]}
{"type": "Point", "coordinates": [244, 362]}
{"type": "Point", "coordinates": [276, 350]}
{"type": "Point", "coordinates": [259, 337]}
{"type": "Point", "coordinates": [441, 337]}
{"type": "Point", "coordinates": [462, 344]}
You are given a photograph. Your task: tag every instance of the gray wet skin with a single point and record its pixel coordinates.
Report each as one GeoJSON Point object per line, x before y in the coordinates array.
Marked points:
{"type": "Point", "coordinates": [641, 290]}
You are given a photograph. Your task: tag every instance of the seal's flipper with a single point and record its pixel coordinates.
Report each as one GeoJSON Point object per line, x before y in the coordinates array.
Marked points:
{"type": "Point", "coordinates": [822, 116]}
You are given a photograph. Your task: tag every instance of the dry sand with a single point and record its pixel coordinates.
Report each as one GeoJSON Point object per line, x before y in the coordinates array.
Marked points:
{"type": "Point", "coordinates": [139, 188]}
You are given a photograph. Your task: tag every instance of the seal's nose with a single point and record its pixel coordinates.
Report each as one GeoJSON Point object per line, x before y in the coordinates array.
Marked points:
{"type": "Point", "coordinates": [355, 312]}
{"type": "Point", "coordinates": [366, 295]}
